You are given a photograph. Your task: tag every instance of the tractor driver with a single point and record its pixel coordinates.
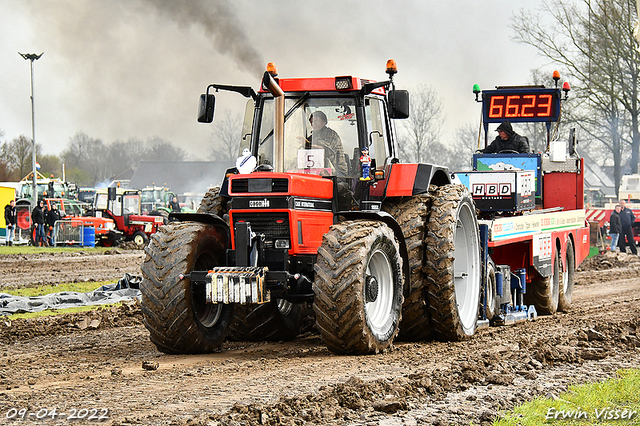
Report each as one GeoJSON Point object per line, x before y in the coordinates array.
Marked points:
{"type": "Point", "coordinates": [507, 140]}
{"type": "Point", "coordinates": [326, 138]}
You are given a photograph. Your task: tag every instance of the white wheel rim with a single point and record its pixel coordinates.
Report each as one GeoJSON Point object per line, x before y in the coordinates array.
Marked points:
{"type": "Point", "coordinates": [465, 267]}
{"type": "Point", "coordinates": [378, 311]}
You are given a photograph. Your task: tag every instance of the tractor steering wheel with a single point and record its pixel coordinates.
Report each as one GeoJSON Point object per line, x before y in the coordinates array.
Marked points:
{"type": "Point", "coordinates": [508, 151]}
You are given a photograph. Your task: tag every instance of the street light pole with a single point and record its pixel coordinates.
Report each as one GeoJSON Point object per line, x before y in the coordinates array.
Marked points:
{"type": "Point", "coordinates": [34, 189]}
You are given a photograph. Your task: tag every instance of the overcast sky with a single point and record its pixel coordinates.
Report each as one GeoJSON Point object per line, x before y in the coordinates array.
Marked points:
{"type": "Point", "coordinates": [116, 69]}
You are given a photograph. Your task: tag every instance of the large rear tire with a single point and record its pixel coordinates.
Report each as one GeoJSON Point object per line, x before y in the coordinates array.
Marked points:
{"type": "Point", "coordinates": [214, 203]}
{"type": "Point", "coordinates": [568, 280]}
{"type": "Point", "coordinates": [358, 287]}
{"type": "Point", "coordinates": [175, 310]}
{"type": "Point", "coordinates": [276, 321]}
{"type": "Point", "coordinates": [544, 293]}
{"type": "Point", "coordinates": [453, 265]}
{"type": "Point", "coordinates": [411, 215]}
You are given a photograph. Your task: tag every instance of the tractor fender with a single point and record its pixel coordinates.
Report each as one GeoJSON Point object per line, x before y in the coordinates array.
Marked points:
{"type": "Point", "coordinates": [207, 219]}
{"type": "Point", "coordinates": [406, 180]}
{"type": "Point", "coordinates": [391, 222]}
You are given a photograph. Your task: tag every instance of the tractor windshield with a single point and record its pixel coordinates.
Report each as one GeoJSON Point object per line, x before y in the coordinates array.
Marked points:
{"type": "Point", "coordinates": [320, 136]}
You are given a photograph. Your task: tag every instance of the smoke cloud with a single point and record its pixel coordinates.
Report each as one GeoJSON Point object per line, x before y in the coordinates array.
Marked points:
{"type": "Point", "coordinates": [219, 22]}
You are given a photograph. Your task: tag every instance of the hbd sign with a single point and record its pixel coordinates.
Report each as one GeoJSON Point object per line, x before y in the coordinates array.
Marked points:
{"type": "Point", "coordinates": [491, 189]}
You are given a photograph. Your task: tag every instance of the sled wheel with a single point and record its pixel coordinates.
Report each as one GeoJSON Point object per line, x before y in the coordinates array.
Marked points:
{"type": "Point", "coordinates": [544, 293]}
{"type": "Point", "coordinates": [568, 281]}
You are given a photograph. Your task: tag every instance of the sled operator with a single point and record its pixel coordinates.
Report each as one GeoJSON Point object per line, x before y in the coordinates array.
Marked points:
{"type": "Point", "coordinates": [507, 140]}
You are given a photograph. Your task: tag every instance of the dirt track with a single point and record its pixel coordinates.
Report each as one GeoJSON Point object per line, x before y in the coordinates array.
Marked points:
{"type": "Point", "coordinates": [95, 362]}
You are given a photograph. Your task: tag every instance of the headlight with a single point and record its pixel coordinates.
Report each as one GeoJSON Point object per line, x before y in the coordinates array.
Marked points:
{"type": "Point", "coordinates": [282, 244]}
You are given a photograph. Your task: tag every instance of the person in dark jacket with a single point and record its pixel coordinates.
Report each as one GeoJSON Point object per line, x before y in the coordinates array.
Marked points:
{"type": "Point", "coordinates": [53, 216]}
{"type": "Point", "coordinates": [507, 140]}
{"type": "Point", "coordinates": [174, 205]}
{"type": "Point", "coordinates": [37, 215]}
{"type": "Point", "coordinates": [614, 227]}
{"type": "Point", "coordinates": [10, 218]}
{"type": "Point", "coordinates": [627, 219]}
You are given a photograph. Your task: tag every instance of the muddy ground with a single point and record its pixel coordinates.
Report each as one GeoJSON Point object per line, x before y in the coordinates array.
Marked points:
{"type": "Point", "coordinates": [103, 365]}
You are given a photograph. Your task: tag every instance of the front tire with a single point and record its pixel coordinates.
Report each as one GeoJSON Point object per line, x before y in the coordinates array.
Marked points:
{"type": "Point", "coordinates": [175, 310]}
{"type": "Point", "coordinates": [453, 265]}
{"type": "Point", "coordinates": [358, 287]}
{"type": "Point", "coordinates": [140, 239]}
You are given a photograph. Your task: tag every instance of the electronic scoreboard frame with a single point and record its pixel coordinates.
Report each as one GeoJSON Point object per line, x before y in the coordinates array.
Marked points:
{"type": "Point", "coordinates": [521, 104]}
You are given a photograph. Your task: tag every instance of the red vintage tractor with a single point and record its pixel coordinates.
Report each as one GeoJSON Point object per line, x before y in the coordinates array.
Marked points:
{"type": "Point", "coordinates": [307, 223]}
{"type": "Point", "coordinates": [123, 206]}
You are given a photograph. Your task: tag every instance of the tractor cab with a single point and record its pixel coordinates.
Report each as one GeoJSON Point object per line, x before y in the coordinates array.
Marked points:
{"type": "Point", "coordinates": [319, 127]}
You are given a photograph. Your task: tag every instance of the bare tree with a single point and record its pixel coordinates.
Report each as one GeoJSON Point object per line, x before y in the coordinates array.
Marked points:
{"type": "Point", "coordinates": [18, 154]}
{"type": "Point", "coordinates": [160, 149]}
{"type": "Point", "coordinates": [421, 131]}
{"type": "Point", "coordinates": [594, 41]}
{"type": "Point", "coordinates": [85, 160]}
{"type": "Point", "coordinates": [225, 138]}
{"type": "Point", "coordinates": [464, 144]}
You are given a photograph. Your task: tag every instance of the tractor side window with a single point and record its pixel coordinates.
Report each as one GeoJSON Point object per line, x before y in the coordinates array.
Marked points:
{"type": "Point", "coordinates": [245, 136]}
{"type": "Point", "coordinates": [266, 144]}
{"type": "Point", "coordinates": [377, 131]}
{"type": "Point", "coordinates": [117, 206]}
{"type": "Point", "coordinates": [131, 204]}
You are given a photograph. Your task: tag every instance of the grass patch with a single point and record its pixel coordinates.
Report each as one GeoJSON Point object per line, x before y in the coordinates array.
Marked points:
{"type": "Point", "coordinates": [590, 404]}
{"type": "Point", "coordinates": [42, 290]}
{"type": "Point", "coordinates": [58, 249]}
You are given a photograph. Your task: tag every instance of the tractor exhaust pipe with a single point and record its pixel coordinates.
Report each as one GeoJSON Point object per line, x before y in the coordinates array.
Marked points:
{"type": "Point", "coordinates": [272, 86]}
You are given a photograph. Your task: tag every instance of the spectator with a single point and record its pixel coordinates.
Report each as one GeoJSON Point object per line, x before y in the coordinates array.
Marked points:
{"type": "Point", "coordinates": [174, 205]}
{"type": "Point", "coordinates": [614, 227]}
{"type": "Point", "coordinates": [627, 219]}
{"type": "Point", "coordinates": [53, 216]}
{"type": "Point", "coordinates": [10, 218]}
{"type": "Point", "coordinates": [38, 220]}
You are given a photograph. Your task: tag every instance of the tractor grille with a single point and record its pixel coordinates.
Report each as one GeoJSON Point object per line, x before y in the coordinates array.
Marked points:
{"type": "Point", "coordinates": [272, 225]}
{"type": "Point", "coordinates": [259, 185]}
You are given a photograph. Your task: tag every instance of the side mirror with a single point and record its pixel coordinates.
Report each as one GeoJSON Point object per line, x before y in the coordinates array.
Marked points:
{"type": "Point", "coordinates": [205, 108]}
{"type": "Point", "coordinates": [111, 193]}
{"type": "Point", "coordinates": [398, 103]}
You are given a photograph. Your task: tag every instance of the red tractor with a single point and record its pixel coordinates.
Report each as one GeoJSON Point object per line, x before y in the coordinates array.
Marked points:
{"type": "Point", "coordinates": [123, 206]}
{"type": "Point", "coordinates": [300, 220]}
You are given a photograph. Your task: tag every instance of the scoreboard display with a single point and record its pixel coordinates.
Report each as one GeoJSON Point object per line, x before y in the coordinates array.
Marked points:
{"type": "Point", "coordinates": [521, 105]}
